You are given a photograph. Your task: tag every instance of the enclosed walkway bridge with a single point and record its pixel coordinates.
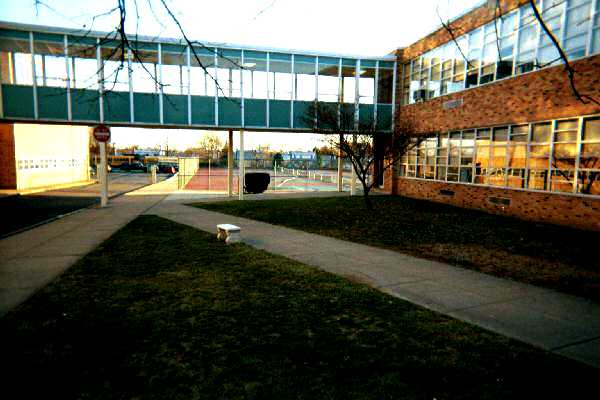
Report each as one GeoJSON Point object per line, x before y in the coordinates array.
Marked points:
{"type": "Point", "coordinates": [55, 75]}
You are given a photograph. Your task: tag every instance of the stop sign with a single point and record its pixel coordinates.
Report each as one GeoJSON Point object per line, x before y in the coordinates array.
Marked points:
{"type": "Point", "coordinates": [102, 133]}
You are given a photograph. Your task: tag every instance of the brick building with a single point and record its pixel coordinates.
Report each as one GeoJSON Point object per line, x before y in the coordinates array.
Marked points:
{"type": "Point", "coordinates": [504, 131]}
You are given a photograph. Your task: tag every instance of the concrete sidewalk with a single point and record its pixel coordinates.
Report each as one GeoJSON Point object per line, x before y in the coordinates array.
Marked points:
{"type": "Point", "coordinates": [561, 323]}
{"type": "Point", "coordinates": [32, 259]}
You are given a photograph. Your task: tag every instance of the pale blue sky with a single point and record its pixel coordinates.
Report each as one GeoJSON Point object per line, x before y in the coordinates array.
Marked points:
{"type": "Point", "coordinates": [364, 27]}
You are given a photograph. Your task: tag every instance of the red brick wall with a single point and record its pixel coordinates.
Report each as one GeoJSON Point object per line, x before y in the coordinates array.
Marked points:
{"type": "Point", "coordinates": [8, 171]}
{"type": "Point", "coordinates": [539, 95]}
{"type": "Point", "coordinates": [573, 211]}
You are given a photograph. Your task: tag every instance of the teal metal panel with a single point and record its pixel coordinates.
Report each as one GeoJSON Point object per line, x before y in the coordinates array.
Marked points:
{"type": "Point", "coordinates": [13, 34]}
{"type": "Point", "coordinates": [255, 112]}
{"type": "Point", "coordinates": [279, 113]}
{"type": "Point", "coordinates": [175, 109]}
{"type": "Point", "coordinates": [329, 61]}
{"type": "Point", "coordinates": [348, 62]}
{"type": "Point", "coordinates": [204, 51]}
{"type": "Point", "coordinates": [81, 40]}
{"type": "Point", "coordinates": [203, 110]}
{"type": "Point", "coordinates": [365, 116]}
{"type": "Point", "coordinates": [367, 63]}
{"type": "Point", "coordinates": [173, 48]}
{"type": "Point", "coordinates": [52, 102]}
{"type": "Point", "coordinates": [386, 64]}
{"type": "Point", "coordinates": [280, 57]}
{"type": "Point", "coordinates": [48, 37]}
{"type": "Point", "coordinates": [230, 53]}
{"type": "Point", "coordinates": [116, 106]}
{"type": "Point", "coordinates": [304, 59]}
{"type": "Point", "coordinates": [146, 108]}
{"type": "Point", "coordinates": [18, 101]}
{"type": "Point", "coordinates": [301, 114]}
{"type": "Point", "coordinates": [384, 117]}
{"type": "Point", "coordinates": [255, 55]}
{"type": "Point", "coordinates": [85, 105]}
{"type": "Point", "coordinates": [230, 112]}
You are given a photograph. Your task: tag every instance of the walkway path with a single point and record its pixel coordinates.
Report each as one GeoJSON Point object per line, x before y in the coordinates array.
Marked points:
{"type": "Point", "coordinates": [561, 323]}
{"type": "Point", "coordinates": [557, 322]}
{"type": "Point", "coordinates": [31, 259]}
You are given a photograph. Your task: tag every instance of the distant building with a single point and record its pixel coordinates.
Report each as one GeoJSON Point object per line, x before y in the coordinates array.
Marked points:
{"type": "Point", "coordinates": [35, 156]}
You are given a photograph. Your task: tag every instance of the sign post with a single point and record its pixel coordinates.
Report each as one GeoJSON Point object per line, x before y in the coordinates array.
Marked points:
{"type": "Point", "coordinates": [102, 135]}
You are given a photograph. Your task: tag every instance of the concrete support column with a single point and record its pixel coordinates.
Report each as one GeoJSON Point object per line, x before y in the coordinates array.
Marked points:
{"type": "Point", "coordinates": [230, 165]}
{"type": "Point", "coordinates": [241, 167]}
{"type": "Point", "coordinates": [340, 171]}
{"type": "Point", "coordinates": [103, 176]}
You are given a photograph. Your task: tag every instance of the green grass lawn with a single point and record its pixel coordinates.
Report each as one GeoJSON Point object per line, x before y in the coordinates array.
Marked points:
{"type": "Point", "coordinates": [541, 254]}
{"type": "Point", "coordinates": [164, 311]}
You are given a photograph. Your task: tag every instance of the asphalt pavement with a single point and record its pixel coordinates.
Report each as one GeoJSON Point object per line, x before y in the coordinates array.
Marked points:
{"type": "Point", "coordinates": [19, 212]}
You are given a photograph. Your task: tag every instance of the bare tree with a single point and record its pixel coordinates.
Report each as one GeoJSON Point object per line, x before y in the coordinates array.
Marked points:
{"type": "Point", "coordinates": [357, 142]}
{"type": "Point", "coordinates": [562, 56]}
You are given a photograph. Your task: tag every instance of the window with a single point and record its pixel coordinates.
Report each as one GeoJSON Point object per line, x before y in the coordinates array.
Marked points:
{"type": "Point", "coordinates": [560, 156]}
{"type": "Point", "coordinates": [588, 178]}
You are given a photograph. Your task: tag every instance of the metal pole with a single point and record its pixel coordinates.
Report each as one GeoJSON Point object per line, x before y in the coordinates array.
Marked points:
{"type": "Point", "coordinates": [103, 176]}
{"type": "Point", "coordinates": [340, 174]}
{"type": "Point", "coordinates": [230, 165]}
{"type": "Point", "coordinates": [241, 166]}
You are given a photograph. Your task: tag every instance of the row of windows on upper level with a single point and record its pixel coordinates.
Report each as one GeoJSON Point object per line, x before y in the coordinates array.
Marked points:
{"type": "Point", "coordinates": [61, 60]}
{"type": "Point", "coordinates": [558, 156]}
{"type": "Point", "coordinates": [510, 45]}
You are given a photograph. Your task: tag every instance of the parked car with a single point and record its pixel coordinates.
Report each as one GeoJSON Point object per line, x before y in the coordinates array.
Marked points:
{"type": "Point", "coordinates": [134, 166]}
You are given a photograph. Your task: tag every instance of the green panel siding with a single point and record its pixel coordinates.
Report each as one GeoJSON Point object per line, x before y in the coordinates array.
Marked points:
{"type": "Point", "coordinates": [85, 105]}
{"type": "Point", "coordinates": [279, 113]}
{"type": "Point", "coordinates": [255, 55]}
{"type": "Point", "coordinates": [52, 102]}
{"type": "Point", "coordinates": [367, 63]}
{"type": "Point", "coordinates": [18, 101]}
{"type": "Point", "coordinates": [146, 108]}
{"type": "Point", "coordinates": [175, 109]}
{"type": "Point", "coordinates": [173, 48]}
{"type": "Point", "coordinates": [347, 62]}
{"type": "Point", "coordinates": [365, 116]}
{"type": "Point", "coordinates": [116, 106]}
{"type": "Point", "coordinates": [7, 33]}
{"type": "Point", "coordinates": [230, 112]}
{"type": "Point", "coordinates": [255, 112]}
{"type": "Point", "coordinates": [384, 117]}
{"type": "Point", "coordinates": [48, 37]}
{"type": "Point", "coordinates": [328, 61]}
{"type": "Point", "coordinates": [81, 40]}
{"type": "Point", "coordinates": [203, 110]}
{"type": "Point", "coordinates": [280, 57]}
{"type": "Point", "coordinates": [301, 109]}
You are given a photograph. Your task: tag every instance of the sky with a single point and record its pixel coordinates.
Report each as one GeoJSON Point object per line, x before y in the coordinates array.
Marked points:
{"type": "Point", "coordinates": [354, 27]}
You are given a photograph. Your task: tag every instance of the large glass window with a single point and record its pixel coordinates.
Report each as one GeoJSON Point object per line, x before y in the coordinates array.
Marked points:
{"type": "Point", "coordinates": [202, 72]}
{"type": "Point", "coordinates": [329, 83]}
{"type": "Point", "coordinates": [560, 156]}
{"type": "Point", "coordinates": [304, 70]}
{"type": "Point", "coordinates": [281, 79]}
{"type": "Point", "coordinates": [174, 69]}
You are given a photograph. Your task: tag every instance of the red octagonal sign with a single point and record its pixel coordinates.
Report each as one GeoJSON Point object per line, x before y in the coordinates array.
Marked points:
{"type": "Point", "coordinates": [102, 133]}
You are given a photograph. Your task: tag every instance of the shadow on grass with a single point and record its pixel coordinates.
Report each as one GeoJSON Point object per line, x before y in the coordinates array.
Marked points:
{"type": "Point", "coordinates": [161, 310]}
{"type": "Point", "coordinates": [546, 255]}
